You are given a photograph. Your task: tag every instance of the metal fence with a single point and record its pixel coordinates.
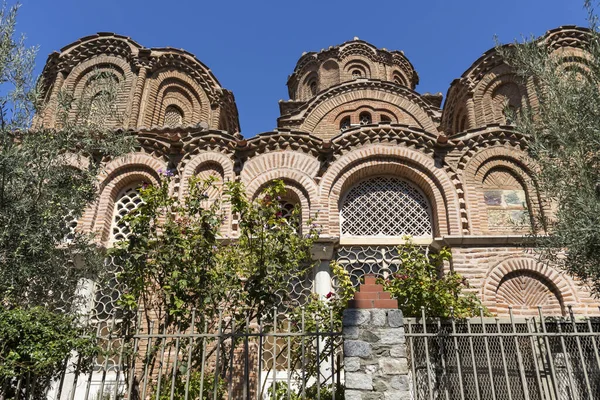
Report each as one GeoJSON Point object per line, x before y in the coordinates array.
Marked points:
{"type": "Point", "coordinates": [524, 358]}
{"type": "Point", "coordinates": [232, 357]}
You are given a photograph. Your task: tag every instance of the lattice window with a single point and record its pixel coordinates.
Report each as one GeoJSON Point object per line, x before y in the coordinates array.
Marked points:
{"type": "Point", "coordinates": [287, 212]}
{"type": "Point", "coordinates": [361, 260]}
{"type": "Point", "coordinates": [385, 206]}
{"type": "Point", "coordinates": [173, 116]}
{"type": "Point", "coordinates": [128, 200]}
{"type": "Point", "coordinates": [70, 224]}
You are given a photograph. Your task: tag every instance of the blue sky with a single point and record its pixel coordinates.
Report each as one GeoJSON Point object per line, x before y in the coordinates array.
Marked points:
{"type": "Point", "coordinates": [253, 45]}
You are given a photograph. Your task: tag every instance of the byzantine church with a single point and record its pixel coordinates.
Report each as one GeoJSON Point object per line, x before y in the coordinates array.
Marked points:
{"type": "Point", "coordinates": [365, 157]}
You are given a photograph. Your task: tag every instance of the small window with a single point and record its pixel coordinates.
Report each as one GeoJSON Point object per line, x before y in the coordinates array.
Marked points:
{"type": "Point", "coordinates": [398, 79]}
{"type": "Point", "coordinates": [99, 106]}
{"type": "Point", "coordinates": [510, 114]}
{"type": "Point", "coordinates": [356, 74]}
{"type": "Point", "coordinates": [345, 124]}
{"type": "Point", "coordinates": [313, 88]}
{"type": "Point", "coordinates": [386, 119]}
{"type": "Point", "coordinates": [173, 116]}
{"type": "Point", "coordinates": [365, 118]}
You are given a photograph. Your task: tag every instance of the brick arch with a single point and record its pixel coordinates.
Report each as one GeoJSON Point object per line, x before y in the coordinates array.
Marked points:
{"type": "Point", "coordinates": [485, 110]}
{"type": "Point", "coordinates": [497, 275]}
{"type": "Point", "coordinates": [120, 179]}
{"type": "Point", "coordinates": [398, 161]}
{"type": "Point", "coordinates": [367, 67]}
{"type": "Point", "coordinates": [76, 77]}
{"type": "Point", "coordinates": [280, 160]}
{"type": "Point", "coordinates": [354, 110]}
{"type": "Point", "coordinates": [494, 158]}
{"type": "Point", "coordinates": [182, 88]}
{"type": "Point", "coordinates": [297, 189]}
{"type": "Point", "coordinates": [297, 181]}
{"type": "Point", "coordinates": [118, 174]}
{"type": "Point", "coordinates": [194, 162]}
{"type": "Point", "coordinates": [79, 76]}
{"type": "Point", "coordinates": [395, 101]}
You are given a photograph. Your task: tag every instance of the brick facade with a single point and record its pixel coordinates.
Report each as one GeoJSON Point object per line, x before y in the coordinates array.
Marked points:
{"type": "Point", "coordinates": [353, 114]}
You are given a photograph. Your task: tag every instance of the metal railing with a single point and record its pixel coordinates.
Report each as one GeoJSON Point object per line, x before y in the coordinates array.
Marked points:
{"type": "Point", "coordinates": [518, 358]}
{"type": "Point", "coordinates": [274, 357]}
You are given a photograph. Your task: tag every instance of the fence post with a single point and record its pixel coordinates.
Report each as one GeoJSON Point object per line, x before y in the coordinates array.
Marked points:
{"type": "Point", "coordinates": [375, 362]}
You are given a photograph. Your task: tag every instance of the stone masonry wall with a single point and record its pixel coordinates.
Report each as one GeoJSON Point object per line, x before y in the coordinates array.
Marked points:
{"type": "Point", "coordinates": [375, 360]}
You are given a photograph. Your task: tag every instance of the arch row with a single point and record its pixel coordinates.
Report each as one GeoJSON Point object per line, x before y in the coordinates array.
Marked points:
{"type": "Point", "coordinates": [145, 72]}
{"type": "Point", "coordinates": [404, 98]}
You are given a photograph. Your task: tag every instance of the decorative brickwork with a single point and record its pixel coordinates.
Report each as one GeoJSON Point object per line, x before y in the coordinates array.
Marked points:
{"type": "Point", "coordinates": [353, 116]}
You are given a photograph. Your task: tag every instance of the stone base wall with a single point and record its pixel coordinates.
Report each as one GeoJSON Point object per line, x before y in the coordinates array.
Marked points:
{"type": "Point", "coordinates": [375, 362]}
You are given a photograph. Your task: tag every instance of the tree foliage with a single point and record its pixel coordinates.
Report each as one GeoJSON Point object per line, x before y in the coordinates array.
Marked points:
{"type": "Point", "coordinates": [175, 260]}
{"type": "Point", "coordinates": [563, 128]}
{"type": "Point", "coordinates": [33, 345]}
{"type": "Point", "coordinates": [47, 178]}
{"type": "Point", "coordinates": [421, 284]}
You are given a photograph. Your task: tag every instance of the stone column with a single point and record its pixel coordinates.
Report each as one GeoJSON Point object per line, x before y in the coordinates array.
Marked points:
{"type": "Point", "coordinates": [375, 361]}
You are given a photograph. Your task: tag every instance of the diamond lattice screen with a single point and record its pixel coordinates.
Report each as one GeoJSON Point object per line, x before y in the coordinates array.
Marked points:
{"type": "Point", "coordinates": [128, 201]}
{"type": "Point", "coordinates": [385, 206]}
{"type": "Point", "coordinates": [173, 116]}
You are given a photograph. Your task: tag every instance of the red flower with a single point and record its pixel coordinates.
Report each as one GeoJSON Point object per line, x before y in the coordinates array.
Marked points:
{"type": "Point", "coordinates": [329, 295]}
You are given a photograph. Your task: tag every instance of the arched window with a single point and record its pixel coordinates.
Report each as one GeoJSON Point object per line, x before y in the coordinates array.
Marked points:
{"type": "Point", "coordinates": [313, 88]}
{"type": "Point", "coordinates": [385, 118]}
{"type": "Point", "coordinates": [356, 74]}
{"type": "Point", "coordinates": [345, 124]}
{"type": "Point", "coordinates": [99, 106]}
{"type": "Point", "coordinates": [128, 200]}
{"type": "Point", "coordinates": [173, 116]}
{"type": "Point", "coordinates": [385, 206]}
{"type": "Point", "coordinates": [510, 114]}
{"type": "Point", "coordinates": [365, 118]}
{"type": "Point", "coordinates": [398, 79]}
{"type": "Point", "coordinates": [287, 211]}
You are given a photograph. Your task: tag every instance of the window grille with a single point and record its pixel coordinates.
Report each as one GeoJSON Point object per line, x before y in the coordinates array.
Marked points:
{"type": "Point", "coordinates": [360, 260]}
{"type": "Point", "coordinates": [356, 74]}
{"type": "Point", "coordinates": [385, 206]}
{"type": "Point", "coordinates": [70, 224]}
{"type": "Point", "coordinates": [365, 118]}
{"type": "Point", "coordinates": [128, 201]}
{"type": "Point", "coordinates": [287, 212]}
{"type": "Point", "coordinates": [173, 116]}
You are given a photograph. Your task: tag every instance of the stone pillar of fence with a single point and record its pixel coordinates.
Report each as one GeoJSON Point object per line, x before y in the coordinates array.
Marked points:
{"type": "Point", "coordinates": [375, 362]}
